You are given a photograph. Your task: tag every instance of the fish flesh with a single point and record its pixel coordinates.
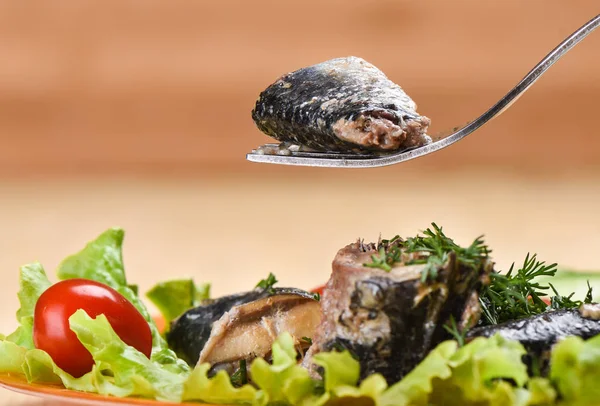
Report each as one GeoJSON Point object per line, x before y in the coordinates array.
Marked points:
{"type": "Point", "coordinates": [539, 333]}
{"type": "Point", "coordinates": [391, 320]}
{"type": "Point", "coordinates": [344, 104]}
{"type": "Point", "coordinates": [243, 326]}
{"type": "Point", "coordinates": [248, 331]}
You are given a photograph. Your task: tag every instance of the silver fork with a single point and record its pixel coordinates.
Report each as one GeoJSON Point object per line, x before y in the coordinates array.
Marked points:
{"type": "Point", "coordinates": [265, 153]}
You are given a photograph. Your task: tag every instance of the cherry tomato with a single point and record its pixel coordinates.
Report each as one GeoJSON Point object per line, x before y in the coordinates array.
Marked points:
{"type": "Point", "coordinates": [51, 331]}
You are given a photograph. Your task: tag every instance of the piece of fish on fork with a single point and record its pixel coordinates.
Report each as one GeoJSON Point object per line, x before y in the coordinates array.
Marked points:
{"type": "Point", "coordinates": [345, 113]}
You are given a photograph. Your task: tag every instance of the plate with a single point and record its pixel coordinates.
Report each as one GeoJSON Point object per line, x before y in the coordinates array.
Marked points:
{"type": "Point", "coordinates": [19, 384]}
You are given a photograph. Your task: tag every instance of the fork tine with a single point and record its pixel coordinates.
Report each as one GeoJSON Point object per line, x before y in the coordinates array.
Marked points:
{"type": "Point", "coordinates": [267, 149]}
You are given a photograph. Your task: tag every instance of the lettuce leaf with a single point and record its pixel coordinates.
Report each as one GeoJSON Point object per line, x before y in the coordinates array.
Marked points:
{"type": "Point", "coordinates": [474, 374]}
{"type": "Point", "coordinates": [416, 387]}
{"type": "Point", "coordinates": [33, 282]}
{"type": "Point", "coordinates": [283, 381]}
{"type": "Point", "coordinates": [119, 370]}
{"type": "Point", "coordinates": [540, 392]}
{"type": "Point", "coordinates": [172, 298]}
{"type": "Point", "coordinates": [12, 357]}
{"type": "Point", "coordinates": [341, 373]}
{"type": "Point", "coordinates": [102, 260]}
{"type": "Point", "coordinates": [575, 370]}
{"type": "Point", "coordinates": [218, 389]}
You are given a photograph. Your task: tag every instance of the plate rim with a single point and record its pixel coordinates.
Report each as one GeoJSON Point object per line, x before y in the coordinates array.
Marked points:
{"type": "Point", "coordinates": [17, 383]}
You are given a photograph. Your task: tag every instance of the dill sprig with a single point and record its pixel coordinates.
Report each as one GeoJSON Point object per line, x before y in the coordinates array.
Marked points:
{"type": "Point", "coordinates": [386, 258]}
{"type": "Point", "coordinates": [566, 302]}
{"type": "Point", "coordinates": [434, 248]}
{"type": "Point", "coordinates": [240, 377]}
{"type": "Point", "coordinates": [267, 284]}
{"type": "Point", "coordinates": [452, 328]}
{"type": "Point", "coordinates": [516, 294]}
{"type": "Point", "coordinates": [438, 246]}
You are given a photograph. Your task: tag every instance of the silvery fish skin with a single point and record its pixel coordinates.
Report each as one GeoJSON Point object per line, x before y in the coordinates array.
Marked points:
{"type": "Point", "coordinates": [539, 333]}
{"type": "Point", "coordinates": [191, 331]}
{"type": "Point", "coordinates": [344, 104]}
{"type": "Point", "coordinates": [391, 320]}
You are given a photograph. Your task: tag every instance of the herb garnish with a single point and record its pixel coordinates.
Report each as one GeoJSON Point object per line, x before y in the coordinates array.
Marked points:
{"type": "Point", "coordinates": [267, 284]}
{"type": "Point", "coordinates": [307, 340]}
{"type": "Point", "coordinates": [453, 329]}
{"type": "Point", "coordinates": [439, 246]}
{"type": "Point", "coordinates": [509, 296]}
{"type": "Point", "coordinates": [390, 252]}
{"type": "Point", "coordinates": [435, 247]}
{"type": "Point", "coordinates": [565, 302]}
{"type": "Point", "coordinates": [516, 294]}
{"type": "Point", "coordinates": [317, 296]}
{"type": "Point", "coordinates": [240, 377]}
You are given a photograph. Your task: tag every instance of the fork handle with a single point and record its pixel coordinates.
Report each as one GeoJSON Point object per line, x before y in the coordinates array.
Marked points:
{"type": "Point", "coordinates": [529, 79]}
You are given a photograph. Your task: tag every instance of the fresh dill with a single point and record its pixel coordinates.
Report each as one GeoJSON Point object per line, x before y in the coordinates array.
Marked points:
{"type": "Point", "coordinates": [240, 377]}
{"type": "Point", "coordinates": [386, 258]}
{"type": "Point", "coordinates": [432, 248]}
{"type": "Point", "coordinates": [455, 332]}
{"type": "Point", "coordinates": [517, 294]}
{"type": "Point", "coordinates": [510, 296]}
{"type": "Point", "coordinates": [439, 246]}
{"type": "Point", "coordinates": [267, 284]}
{"type": "Point", "coordinates": [566, 302]}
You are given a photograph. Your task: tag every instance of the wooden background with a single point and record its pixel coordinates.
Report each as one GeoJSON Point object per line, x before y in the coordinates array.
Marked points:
{"type": "Point", "coordinates": [167, 87]}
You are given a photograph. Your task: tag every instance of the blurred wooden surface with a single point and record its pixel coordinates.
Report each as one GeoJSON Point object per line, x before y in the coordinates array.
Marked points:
{"type": "Point", "coordinates": [167, 87]}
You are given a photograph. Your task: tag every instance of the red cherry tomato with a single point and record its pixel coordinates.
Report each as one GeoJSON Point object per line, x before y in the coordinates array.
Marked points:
{"type": "Point", "coordinates": [52, 334]}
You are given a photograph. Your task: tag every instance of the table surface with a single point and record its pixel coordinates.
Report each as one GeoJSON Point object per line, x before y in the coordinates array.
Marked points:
{"type": "Point", "coordinates": [234, 230]}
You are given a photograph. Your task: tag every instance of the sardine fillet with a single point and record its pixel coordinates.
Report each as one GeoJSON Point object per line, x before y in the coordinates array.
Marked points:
{"type": "Point", "coordinates": [344, 104]}
{"type": "Point", "coordinates": [391, 320]}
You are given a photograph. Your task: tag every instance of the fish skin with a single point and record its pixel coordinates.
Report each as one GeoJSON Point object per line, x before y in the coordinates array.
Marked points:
{"type": "Point", "coordinates": [539, 333]}
{"type": "Point", "coordinates": [302, 107]}
{"type": "Point", "coordinates": [542, 330]}
{"type": "Point", "coordinates": [190, 331]}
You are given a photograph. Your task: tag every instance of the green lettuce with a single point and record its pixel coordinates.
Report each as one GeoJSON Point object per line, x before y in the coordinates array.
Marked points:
{"type": "Point", "coordinates": [101, 260]}
{"type": "Point", "coordinates": [283, 381]}
{"type": "Point", "coordinates": [575, 370]}
{"type": "Point", "coordinates": [476, 374]}
{"type": "Point", "coordinates": [33, 282]}
{"type": "Point", "coordinates": [172, 298]}
{"type": "Point", "coordinates": [340, 377]}
{"type": "Point", "coordinates": [416, 387]}
{"type": "Point", "coordinates": [119, 370]}
{"type": "Point", "coordinates": [218, 389]}
{"type": "Point", "coordinates": [127, 368]}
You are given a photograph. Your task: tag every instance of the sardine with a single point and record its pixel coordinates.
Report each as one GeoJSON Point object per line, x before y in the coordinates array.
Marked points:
{"type": "Point", "coordinates": [539, 333]}
{"type": "Point", "coordinates": [344, 104]}
{"type": "Point", "coordinates": [391, 320]}
{"type": "Point", "coordinates": [243, 326]}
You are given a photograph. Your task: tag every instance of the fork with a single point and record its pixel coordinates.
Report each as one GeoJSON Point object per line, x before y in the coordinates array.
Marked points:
{"type": "Point", "coordinates": [266, 154]}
